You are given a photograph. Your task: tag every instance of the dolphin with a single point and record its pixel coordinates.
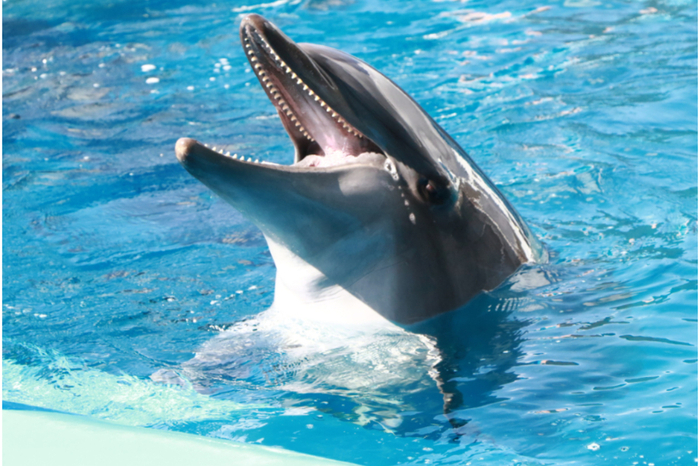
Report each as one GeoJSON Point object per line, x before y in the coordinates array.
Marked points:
{"type": "Point", "coordinates": [381, 216]}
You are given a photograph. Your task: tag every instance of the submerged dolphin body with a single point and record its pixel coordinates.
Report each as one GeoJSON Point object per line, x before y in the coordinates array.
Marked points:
{"type": "Point", "coordinates": [382, 215]}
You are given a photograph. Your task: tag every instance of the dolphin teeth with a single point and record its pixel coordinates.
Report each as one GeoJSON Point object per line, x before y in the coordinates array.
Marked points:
{"type": "Point", "coordinates": [257, 160]}
{"type": "Point", "coordinates": [250, 159]}
{"type": "Point", "coordinates": [277, 97]}
{"type": "Point", "coordinates": [213, 148]}
{"type": "Point", "coordinates": [235, 156]}
{"type": "Point", "coordinates": [228, 154]}
{"type": "Point", "coordinates": [206, 145]}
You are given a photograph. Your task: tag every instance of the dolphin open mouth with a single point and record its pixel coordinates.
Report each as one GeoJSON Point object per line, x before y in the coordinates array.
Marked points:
{"type": "Point", "coordinates": [321, 136]}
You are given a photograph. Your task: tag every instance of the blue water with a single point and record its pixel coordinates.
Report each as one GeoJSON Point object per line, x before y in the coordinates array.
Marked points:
{"type": "Point", "coordinates": [118, 265]}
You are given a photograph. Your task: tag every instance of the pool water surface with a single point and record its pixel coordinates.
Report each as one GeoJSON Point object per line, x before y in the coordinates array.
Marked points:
{"type": "Point", "coordinates": [119, 267]}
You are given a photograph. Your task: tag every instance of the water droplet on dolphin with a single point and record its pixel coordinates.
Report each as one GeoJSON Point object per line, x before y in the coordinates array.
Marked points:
{"type": "Point", "coordinates": [389, 166]}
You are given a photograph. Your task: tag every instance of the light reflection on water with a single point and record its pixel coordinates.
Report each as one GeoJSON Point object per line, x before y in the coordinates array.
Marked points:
{"type": "Point", "coordinates": [118, 265]}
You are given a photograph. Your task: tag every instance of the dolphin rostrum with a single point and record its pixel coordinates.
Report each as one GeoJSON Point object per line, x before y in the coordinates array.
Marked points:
{"type": "Point", "coordinates": [382, 215]}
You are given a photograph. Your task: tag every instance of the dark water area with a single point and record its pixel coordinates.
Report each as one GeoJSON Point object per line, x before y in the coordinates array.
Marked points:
{"type": "Point", "coordinates": [118, 265]}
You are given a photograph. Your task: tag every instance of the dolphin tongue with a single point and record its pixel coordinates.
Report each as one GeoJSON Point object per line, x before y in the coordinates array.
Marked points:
{"type": "Point", "coordinates": [187, 149]}
{"type": "Point", "coordinates": [336, 158]}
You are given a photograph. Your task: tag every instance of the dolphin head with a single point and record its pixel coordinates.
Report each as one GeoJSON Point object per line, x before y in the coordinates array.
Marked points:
{"type": "Point", "coordinates": [380, 208]}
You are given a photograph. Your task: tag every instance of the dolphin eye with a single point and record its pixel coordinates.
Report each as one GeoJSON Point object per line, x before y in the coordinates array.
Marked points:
{"type": "Point", "coordinates": [433, 192]}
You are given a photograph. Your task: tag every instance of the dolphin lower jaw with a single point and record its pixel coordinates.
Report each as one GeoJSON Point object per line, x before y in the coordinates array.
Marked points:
{"type": "Point", "coordinates": [347, 239]}
{"type": "Point", "coordinates": [350, 239]}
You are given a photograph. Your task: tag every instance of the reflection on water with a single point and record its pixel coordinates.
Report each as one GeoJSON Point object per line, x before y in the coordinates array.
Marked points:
{"type": "Point", "coordinates": [118, 265]}
{"type": "Point", "coordinates": [416, 382]}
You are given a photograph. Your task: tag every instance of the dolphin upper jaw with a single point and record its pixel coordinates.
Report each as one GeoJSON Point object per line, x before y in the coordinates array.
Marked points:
{"type": "Point", "coordinates": [381, 215]}
{"type": "Point", "coordinates": [294, 83]}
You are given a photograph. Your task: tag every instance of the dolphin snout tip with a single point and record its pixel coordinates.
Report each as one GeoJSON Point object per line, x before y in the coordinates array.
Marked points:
{"type": "Point", "coordinates": [183, 147]}
{"type": "Point", "coordinates": [255, 21]}
{"type": "Point", "coordinates": [252, 18]}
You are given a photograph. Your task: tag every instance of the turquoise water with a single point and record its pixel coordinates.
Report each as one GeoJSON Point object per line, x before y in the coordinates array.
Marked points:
{"type": "Point", "coordinates": [118, 265]}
